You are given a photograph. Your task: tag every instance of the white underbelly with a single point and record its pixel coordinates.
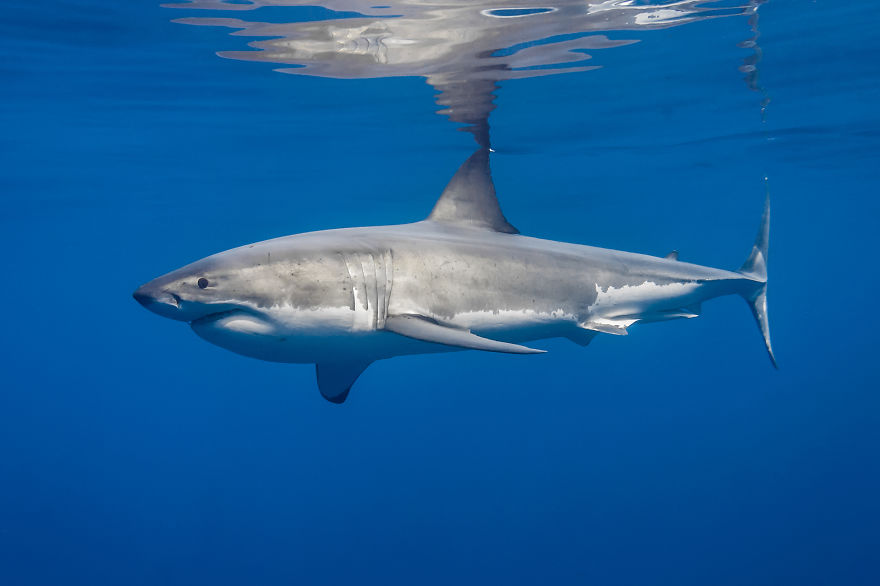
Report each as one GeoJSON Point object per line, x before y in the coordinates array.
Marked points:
{"type": "Point", "coordinates": [643, 299]}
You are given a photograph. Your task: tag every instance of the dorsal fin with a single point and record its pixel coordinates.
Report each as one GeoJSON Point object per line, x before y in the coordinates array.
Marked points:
{"type": "Point", "coordinates": [469, 198]}
{"type": "Point", "coordinates": [672, 255]}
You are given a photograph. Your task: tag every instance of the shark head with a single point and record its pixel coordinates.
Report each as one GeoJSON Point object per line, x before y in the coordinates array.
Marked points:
{"type": "Point", "coordinates": [191, 293]}
{"type": "Point", "coordinates": [272, 300]}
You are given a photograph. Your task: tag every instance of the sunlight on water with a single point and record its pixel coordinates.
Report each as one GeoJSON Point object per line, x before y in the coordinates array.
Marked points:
{"type": "Point", "coordinates": [462, 48]}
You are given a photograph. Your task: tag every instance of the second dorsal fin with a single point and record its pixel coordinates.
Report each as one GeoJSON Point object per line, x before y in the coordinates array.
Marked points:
{"type": "Point", "coordinates": [469, 198]}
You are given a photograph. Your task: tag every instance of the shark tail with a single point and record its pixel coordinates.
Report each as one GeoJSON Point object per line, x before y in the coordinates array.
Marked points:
{"type": "Point", "coordinates": [755, 269]}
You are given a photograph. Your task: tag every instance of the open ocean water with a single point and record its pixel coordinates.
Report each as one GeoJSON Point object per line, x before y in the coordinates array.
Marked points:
{"type": "Point", "coordinates": [132, 452]}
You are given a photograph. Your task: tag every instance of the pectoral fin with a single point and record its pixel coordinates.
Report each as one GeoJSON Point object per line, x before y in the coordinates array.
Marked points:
{"type": "Point", "coordinates": [427, 330]}
{"type": "Point", "coordinates": [336, 378]}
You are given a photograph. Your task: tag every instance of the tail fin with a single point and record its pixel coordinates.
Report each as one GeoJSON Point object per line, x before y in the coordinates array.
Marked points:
{"type": "Point", "coordinates": [755, 268]}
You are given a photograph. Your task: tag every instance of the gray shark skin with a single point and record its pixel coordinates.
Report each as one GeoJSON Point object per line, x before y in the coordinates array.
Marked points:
{"type": "Point", "coordinates": [461, 279]}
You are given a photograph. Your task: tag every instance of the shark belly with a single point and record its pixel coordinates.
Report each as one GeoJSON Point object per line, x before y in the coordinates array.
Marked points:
{"type": "Point", "coordinates": [291, 340]}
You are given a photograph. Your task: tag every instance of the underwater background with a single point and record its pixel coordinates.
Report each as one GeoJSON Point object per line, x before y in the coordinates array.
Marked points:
{"type": "Point", "coordinates": [132, 452]}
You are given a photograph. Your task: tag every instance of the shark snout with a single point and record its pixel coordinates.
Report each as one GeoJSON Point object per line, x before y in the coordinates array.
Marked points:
{"type": "Point", "coordinates": [159, 301]}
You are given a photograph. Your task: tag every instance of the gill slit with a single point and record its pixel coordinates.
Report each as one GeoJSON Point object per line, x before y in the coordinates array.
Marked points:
{"type": "Point", "coordinates": [371, 275]}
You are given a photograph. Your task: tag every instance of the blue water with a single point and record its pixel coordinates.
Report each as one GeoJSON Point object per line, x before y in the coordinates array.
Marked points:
{"type": "Point", "coordinates": [132, 452]}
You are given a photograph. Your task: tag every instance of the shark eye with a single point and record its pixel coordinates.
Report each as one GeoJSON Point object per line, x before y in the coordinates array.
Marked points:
{"type": "Point", "coordinates": [203, 283]}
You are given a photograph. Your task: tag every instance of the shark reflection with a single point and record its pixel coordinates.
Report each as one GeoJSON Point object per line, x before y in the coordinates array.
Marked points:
{"type": "Point", "coordinates": [462, 47]}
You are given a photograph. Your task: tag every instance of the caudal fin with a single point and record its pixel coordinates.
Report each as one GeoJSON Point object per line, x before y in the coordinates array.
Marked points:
{"type": "Point", "coordinates": [755, 268]}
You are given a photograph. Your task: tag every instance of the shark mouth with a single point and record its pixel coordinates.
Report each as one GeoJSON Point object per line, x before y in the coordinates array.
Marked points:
{"type": "Point", "coordinates": [213, 317]}
{"type": "Point", "coordinates": [233, 321]}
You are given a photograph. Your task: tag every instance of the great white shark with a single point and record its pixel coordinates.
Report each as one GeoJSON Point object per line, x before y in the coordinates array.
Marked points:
{"type": "Point", "coordinates": [462, 279]}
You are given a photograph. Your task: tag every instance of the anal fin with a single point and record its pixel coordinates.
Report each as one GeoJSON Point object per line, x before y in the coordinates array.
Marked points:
{"type": "Point", "coordinates": [336, 378]}
{"type": "Point", "coordinates": [428, 330]}
{"type": "Point", "coordinates": [666, 315]}
{"type": "Point", "coordinates": [608, 326]}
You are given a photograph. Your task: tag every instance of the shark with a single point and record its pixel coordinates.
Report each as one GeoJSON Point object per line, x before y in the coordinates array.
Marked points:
{"type": "Point", "coordinates": [462, 279]}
